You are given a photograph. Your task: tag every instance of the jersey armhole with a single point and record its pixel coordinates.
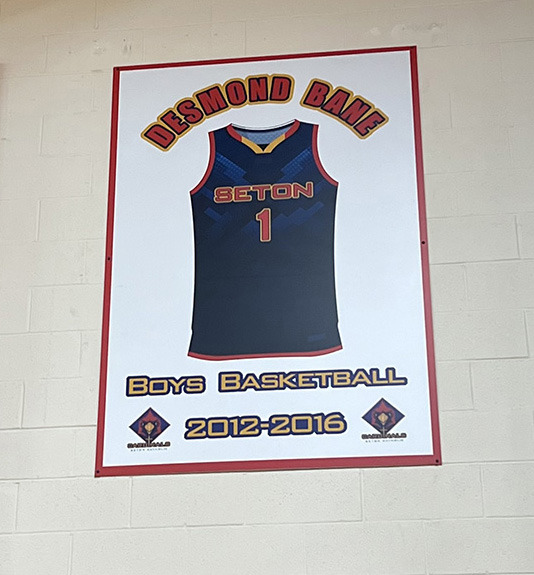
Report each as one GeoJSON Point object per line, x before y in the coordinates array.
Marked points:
{"type": "Point", "coordinates": [318, 162]}
{"type": "Point", "coordinates": [209, 168]}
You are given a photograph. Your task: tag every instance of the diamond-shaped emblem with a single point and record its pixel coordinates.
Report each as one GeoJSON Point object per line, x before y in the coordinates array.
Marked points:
{"type": "Point", "coordinates": [383, 416]}
{"type": "Point", "coordinates": [149, 426]}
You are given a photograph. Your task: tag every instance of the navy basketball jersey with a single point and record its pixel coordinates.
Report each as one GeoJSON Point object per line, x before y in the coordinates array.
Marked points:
{"type": "Point", "coordinates": [263, 220]}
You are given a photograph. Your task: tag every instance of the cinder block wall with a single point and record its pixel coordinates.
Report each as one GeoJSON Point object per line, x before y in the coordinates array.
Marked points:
{"type": "Point", "coordinates": [472, 515]}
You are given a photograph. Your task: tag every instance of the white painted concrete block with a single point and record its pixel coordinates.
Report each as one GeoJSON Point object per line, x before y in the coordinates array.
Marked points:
{"type": "Point", "coordinates": [236, 10]}
{"type": "Point", "coordinates": [279, 35]}
{"type": "Point", "coordinates": [73, 504]}
{"type": "Point", "coordinates": [72, 218]}
{"type": "Point", "coordinates": [259, 549]}
{"type": "Point", "coordinates": [102, 92]}
{"type": "Point", "coordinates": [375, 547]}
{"type": "Point", "coordinates": [76, 134]}
{"type": "Point", "coordinates": [129, 551]}
{"type": "Point", "coordinates": [93, 51]}
{"type": "Point", "coordinates": [480, 546]}
{"type": "Point", "coordinates": [200, 551]}
{"type": "Point", "coordinates": [508, 489]}
{"type": "Point", "coordinates": [529, 320]}
{"type": "Point", "coordinates": [419, 3]}
{"type": "Point", "coordinates": [200, 42]}
{"type": "Point", "coordinates": [486, 192]}
{"type": "Point", "coordinates": [20, 16]}
{"type": "Point", "coordinates": [40, 355]}
{"type": "Point", "coordinates": [480, 436]}
{"type": "Point", "coordinates": [8, 505]}
{"type": "Point", "coordinates": [441, 194]}
{"type": "Point", "coordinates": [30, 97]}
{"type": "Point", "coordinates": [337, 548]}
{"type": "Point", "coordinates": [518, 58]}
{"type": "Point", "coordinates": [435, 109]}
{"type": "Point", "coordinates": [84, 452]}
{"type": "Point", "coordinates": [66, 308]}
{"type": "Point", "coordinates": [451, 67]}
{"type": "Point", "coordinates": [519, 98]}
{"type": "Point", "coordinates": [427, 493]}
{"type": "Point", "coordinates": [45, 176]}
{"type": "Point", "coordinates": [494, 192]}
{"type": "Point", "coordinates": [489, 22]}
{"type": "Point", "coordinates": [42, 263]}
{"type": "Point", "coordinates": [425, 26]}
{"type": "Point", "coordinates": [449, 290]}
{"type": "Point", "coordinates": [18, 220]}
{"type": "Point", "coordinates": [60, 402]}
{"type": "Point", "coordinates": [14, 310]}
{"type": "Point", "coordinates": [501, 285]}
{"type": "Point", "coordinates": [111, 16]}
{"type": "Point", "coordinates": [40, 554]}
{"type": "Point", "coordinates": [95, 259]}
{"type": "Point", "coordinates": [58, 263]}
{"type": "Point", "coordinates": [525, 231]}
{"type": "Point", "coordinates": [503, 384]}
{"type": "Point", "coordinates": [473, 238]}
{"type": "Point", "coordinates": [475, 105]}
{"type": "Point", "coordinates": [303, 496]}
{"type": "Point", "coordinates": [459, 150]}
{"type": "Point", "coordinates": [11, 396]}
{"type": "Point", "coordinates": [38, 453]}
{"type": "Point", "coordinates": [454, 386]}
{"type": "Point", "coordinates": [22, 55]}
{"type": "Point", "coordinates": [521, 141]}
{"type": "Point", "coordinates": [62, 355]}
{"type": "Point", "coordinates": [217, 499]}
{"type": "Point", "coordinates": [90, 353]}
{"type": "Point", "coordinates": [480, 335]}
{"type": "Point", "coordinates": [21, 131]}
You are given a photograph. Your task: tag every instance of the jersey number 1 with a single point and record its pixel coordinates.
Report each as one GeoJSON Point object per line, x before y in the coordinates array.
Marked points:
{"type": "Point", "coordinates": [264, 217]}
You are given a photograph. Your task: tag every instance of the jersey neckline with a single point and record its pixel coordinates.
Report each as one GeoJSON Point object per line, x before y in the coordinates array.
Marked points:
{"type": "Point", "coordinates": [232, 131]}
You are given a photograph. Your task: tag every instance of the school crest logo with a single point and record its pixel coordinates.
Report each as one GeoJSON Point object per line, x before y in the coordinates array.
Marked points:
{"type": "Point", "coordinates": [149, 427]}
{"type": "Point", "coordinates": [383, 417]}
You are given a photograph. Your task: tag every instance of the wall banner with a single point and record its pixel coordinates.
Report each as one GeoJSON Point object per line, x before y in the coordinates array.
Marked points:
{"type": "Point", "coordinates": [267, 296]}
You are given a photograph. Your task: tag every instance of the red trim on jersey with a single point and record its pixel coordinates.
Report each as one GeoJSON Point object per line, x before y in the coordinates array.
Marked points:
{"type": "Point", "coordinates": [293, 129]}
{"type": "Point", "coordinates": [318, 162]}
{"type": "Point", "coordinates": [209, 168]}
{"type": "Point", "coordinates": [232, 131]}
{"type": "Point", "coordinates": [257, 355]}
